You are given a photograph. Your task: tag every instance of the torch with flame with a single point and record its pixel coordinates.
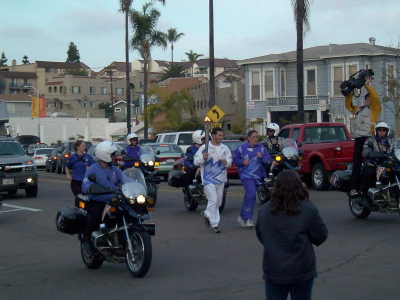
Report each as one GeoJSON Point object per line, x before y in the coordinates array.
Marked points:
{"type": "Point", "coordinates": [207, 121]}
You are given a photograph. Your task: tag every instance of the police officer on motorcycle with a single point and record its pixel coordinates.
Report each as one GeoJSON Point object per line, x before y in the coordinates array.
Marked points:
{"type": "Point", "coordinates": [107, 176]}
{"type": "Point", "coordinates": [198, 138]}
{"type": "Point", "coordinates": [132, 150]}
{"type": "Point", "coordinates": [374, 150]}
{"type": "Point", "coordinates": [272, 142]}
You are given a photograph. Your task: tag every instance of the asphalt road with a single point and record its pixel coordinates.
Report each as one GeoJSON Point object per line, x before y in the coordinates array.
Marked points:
{"type": "Point", "coordinates": [358, 261]}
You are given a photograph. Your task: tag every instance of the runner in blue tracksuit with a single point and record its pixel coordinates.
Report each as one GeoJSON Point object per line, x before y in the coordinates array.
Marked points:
{"type": "Point", "coordinates": [251, 158]}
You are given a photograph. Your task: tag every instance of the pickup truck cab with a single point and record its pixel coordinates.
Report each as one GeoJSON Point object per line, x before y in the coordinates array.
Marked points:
{"type": "Point", "coordinates": [327, 147]}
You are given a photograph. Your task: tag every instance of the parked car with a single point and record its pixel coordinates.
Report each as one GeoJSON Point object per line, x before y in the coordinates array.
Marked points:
{"type": "Point", "coordinates": [17, 170]}
{"type": "Point", "coordinates": [118, 155]}
{"type": "Point", "coordinates": [183, 138]}
{"type": "Point", "coordinates": [233, 172]}
{"type": "Point", "coordinates": [33, 147]}
{"type": "Point", "coordinates": [168, 153]}
{"type": "Point", "coordinates": [66, 150]}
{"type": "Point", "coordinates": [51, 161]}
{"type": "Point", "coordinates": [40, 156]}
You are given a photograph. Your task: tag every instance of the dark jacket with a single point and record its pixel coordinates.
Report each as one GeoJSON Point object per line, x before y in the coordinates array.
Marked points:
{"type": "Point", "coordinates": [288, 252]}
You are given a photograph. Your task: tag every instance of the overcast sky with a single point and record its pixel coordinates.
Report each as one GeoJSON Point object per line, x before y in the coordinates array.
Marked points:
{"type": "Point", "coordinates": [43, 29]}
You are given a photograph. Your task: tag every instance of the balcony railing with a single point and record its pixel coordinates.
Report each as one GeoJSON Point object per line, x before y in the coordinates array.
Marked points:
{"type": "Point", "coordinates": [292, 100]}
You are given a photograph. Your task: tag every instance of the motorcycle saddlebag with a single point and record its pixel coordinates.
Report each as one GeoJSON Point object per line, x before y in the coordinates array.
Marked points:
{"type": "Point", "coordinates": [176, 178]}
{"type": "Point", "coordinates": [70, 220]}
{"type": "Point", "coordinates": [340, 180]}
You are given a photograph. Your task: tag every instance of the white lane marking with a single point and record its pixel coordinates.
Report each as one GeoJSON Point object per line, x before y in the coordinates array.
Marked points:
{"type": "Point", "coordinates": [20, 207]}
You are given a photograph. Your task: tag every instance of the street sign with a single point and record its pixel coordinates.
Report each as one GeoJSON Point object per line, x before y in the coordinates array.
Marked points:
{"type": "Point", "coordinates": [213, 125]}
{"type": "Point", "coordinates": [215, 114]}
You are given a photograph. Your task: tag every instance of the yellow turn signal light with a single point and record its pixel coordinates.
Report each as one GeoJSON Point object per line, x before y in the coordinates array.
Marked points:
{"type": "Point", "coordinates": [278, 158]}
{"type": "Point", "coordinates": [136, 164]}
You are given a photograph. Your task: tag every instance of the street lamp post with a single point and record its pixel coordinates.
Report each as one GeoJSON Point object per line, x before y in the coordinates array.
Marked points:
{"type": "Point", "coordinates": [38, 99]}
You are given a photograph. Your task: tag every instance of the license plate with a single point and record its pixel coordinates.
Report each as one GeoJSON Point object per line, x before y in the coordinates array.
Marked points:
{"type": "Point", "coordinates": [170, 161]}
{"type": "Point", "coordinates": [8, 181]}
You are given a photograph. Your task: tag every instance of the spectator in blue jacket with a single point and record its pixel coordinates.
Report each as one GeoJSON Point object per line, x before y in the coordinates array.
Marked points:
{"type": "Point", "coordinates": [107, 175]}
{"type": "Point", "coordinates": [251, 159]}
{"type": "Point", "coordinates": [78, 163]}
{"type": "Point", "coordinates": [132, 150]}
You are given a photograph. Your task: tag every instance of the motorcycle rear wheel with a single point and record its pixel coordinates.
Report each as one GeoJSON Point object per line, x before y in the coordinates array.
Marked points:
{"type": "Point", "coordinates": [190, 203]}
{"type": "Point", "coordinates": [90, 261]}
{"type": "Point", "coordinates": [358, 210]}
{"type": "Point", "coordinates": [263, 194]}
{"type": "Point", "coordinates": [138, 262]}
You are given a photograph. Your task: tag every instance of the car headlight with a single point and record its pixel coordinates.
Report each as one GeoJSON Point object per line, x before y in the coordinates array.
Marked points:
{"type": "Point", "coordinates": [151, 163]}
{"type": "Point", "coordinates": [141, 199]}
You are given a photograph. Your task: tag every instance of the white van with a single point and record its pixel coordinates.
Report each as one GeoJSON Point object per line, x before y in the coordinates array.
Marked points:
{"type": "Point", "coordinates": [182, 138]}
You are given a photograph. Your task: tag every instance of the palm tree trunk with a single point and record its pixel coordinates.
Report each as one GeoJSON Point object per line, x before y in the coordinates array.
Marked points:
{"type": "Point", "coordinates": [146, 121]}
{"type": "Point", "coordinates": [128, 85]}
{"type": "Point", "coordinates": [299, 56]}
{"type": "Point", "coordinates": [172, 52]}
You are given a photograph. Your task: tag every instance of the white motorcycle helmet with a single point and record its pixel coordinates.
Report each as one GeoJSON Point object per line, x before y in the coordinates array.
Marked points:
{"type": "Point", "coordinates": [131, 136]}
{"type": "Point", "coordinates": [197, 136]}
{"type": "Point", "coordinates": [275, 127]}
{"type": "Point", "coordinates": [382, 124]}
{"type": "Point", "coordinates": [104, 150]}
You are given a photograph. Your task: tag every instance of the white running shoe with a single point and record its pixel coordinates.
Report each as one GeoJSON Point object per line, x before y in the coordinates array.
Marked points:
{"type": "Point", "coordinates": [241, 222]}
{"type": "Point", "coordinates": [249, 223]}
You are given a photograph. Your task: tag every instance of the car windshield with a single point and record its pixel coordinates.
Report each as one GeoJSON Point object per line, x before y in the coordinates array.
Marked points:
{"type": "Point", "coordinates": [11, 148]}
{"type": "Point", "coordinates": [164, 148]}
{"type": "Point", "coordinates": [44, 151]}
{"type": "Point", "coordinates": [232, 145]}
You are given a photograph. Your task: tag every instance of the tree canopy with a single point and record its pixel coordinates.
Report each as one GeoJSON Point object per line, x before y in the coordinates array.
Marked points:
{"type": "Point", "coordinates": [173, 36]}
{"type": "Point", "coordinates": [25, 60]}
{"type": "Point", "coordinates": [172, 70]}
{"type": "Point", "coordinates": [3, 60]}
{"type": "Point", "coordinates": [73, 54]}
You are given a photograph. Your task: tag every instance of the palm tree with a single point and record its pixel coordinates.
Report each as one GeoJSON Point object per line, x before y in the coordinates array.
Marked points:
{"type": "Point", "coordinates": [172, 106]}
{"type": "Point", "coordinates": [193, 56]}
{"type": "Point", "coordinates": [125, 6]}
{"type": "Point", "coordinates": [301, 10]}
{"type": "Point", "coordinates": [144, 39]}
{"type": "Point", "coordinates": [171, 71]}
{"type": "Point", "coordinates": [173, 37]}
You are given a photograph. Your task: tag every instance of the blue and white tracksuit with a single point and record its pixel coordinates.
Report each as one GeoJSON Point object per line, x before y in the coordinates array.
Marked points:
{"type": "Point", "coordinates": [251, 174]}
{"type": "Point", "coordinates": [213, 176]}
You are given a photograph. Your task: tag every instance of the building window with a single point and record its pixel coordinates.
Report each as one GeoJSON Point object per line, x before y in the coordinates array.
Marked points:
{"type": "Point", "coordinates": [84, 104]}
{"type": "Point", "coordinates": [337, 80]}
{"type": "Point", "coordinates": [50, 90]}
{"type": "Point", "coordinates": [255, 86]}
{"type": "Point", "coordinates": [76, 90]}
{"type": "Point", "coordinates": [104, 91]}
{"type": "Point", "coordinates": [92, 90]}
{"type": "Point", "coordinates": [352, 69]}
{"type": "Point", "coordinates": [55, 89]}
{"type": "Point", "coordinates": [119, 91]}
{"type": "Point", "coordinates": [311, 88]}
{"type": "Point", "coordinates": [141, 84]}
{"type": "Point", "coordinates": [269, 83]}
{"type": "Point", "coordinates": [24, 82]}
{"type": "Point", "coordinates": [117, 109]}
{"type": "Point", "coordinates": [91, 103]}
{"type": "Point", "coordinates": [61, 89]}
{"type": "Point", "coordinates": [48, 70]}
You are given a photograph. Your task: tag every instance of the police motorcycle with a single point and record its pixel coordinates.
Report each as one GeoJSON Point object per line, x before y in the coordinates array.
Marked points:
{"type": "Point", "coordinates": [287, 159]}
{"type": "Point", "coordinates": [193, 194]}
{"type": "Point", "coordinates": [122, 236]}
{"type": "Point", "coordinates": [385, 196]}
{"type": "Point", "coordinates": [148, 164]}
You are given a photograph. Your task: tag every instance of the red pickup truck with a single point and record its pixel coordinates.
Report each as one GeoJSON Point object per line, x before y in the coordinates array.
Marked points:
{"type": "Point", "coordinates": [327, 147]}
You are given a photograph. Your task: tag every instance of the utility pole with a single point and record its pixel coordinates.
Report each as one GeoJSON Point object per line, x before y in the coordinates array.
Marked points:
{"type": "Point", "coordinates": [211, 60]}
{"type": "Point", "coordinates": [112, 95]}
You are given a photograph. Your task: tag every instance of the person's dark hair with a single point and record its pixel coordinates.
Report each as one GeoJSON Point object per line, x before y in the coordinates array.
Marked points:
{"type": "Point", "coordinates": [215, 130]}
{"type": "Point", "coordinates": [251, 132]}
{"type": "Point", "coordinates": [287, 193]}
{"type": "Point", "coordinates": [77, 144]}
{"type": "Point", "coordinates": [366, 96]}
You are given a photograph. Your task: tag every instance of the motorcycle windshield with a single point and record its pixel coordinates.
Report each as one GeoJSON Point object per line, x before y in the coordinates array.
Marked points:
{"type": "Point", "coordinates": [138, 184]}
{"type": "Point", "coordinates": [396, 149]}
{"type": "Point", "coordinates": [146, 154]}
{"type": "Point", "coordinates": [289, 148]}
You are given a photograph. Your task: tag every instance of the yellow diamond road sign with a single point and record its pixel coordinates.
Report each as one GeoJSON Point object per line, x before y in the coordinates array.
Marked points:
{"type": "Point", "coordinates": [215, 114]}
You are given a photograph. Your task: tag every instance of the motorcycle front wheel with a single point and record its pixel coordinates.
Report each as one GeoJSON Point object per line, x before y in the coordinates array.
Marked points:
{"type": "Point", "coordinates": [263, 194]}
{"type": "Point", "coordinates": [139, 261]}
{"type": "Point", "coordinates": [91, 261]}
{"type": "Point", "coordinates": [358, 210]}
{"type": "Point", "coordinates": [190, 203]}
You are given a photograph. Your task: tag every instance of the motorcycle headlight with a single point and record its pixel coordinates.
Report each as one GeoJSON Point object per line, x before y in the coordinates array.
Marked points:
{"type": "Point", "coordinates": [294, 157]}
{"type": "Point", "coordinates": [114, 200]}
{"type": "Point", "coordinates": [131, 200]}
{"type": "Point", "coordinates": [141, 199]}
